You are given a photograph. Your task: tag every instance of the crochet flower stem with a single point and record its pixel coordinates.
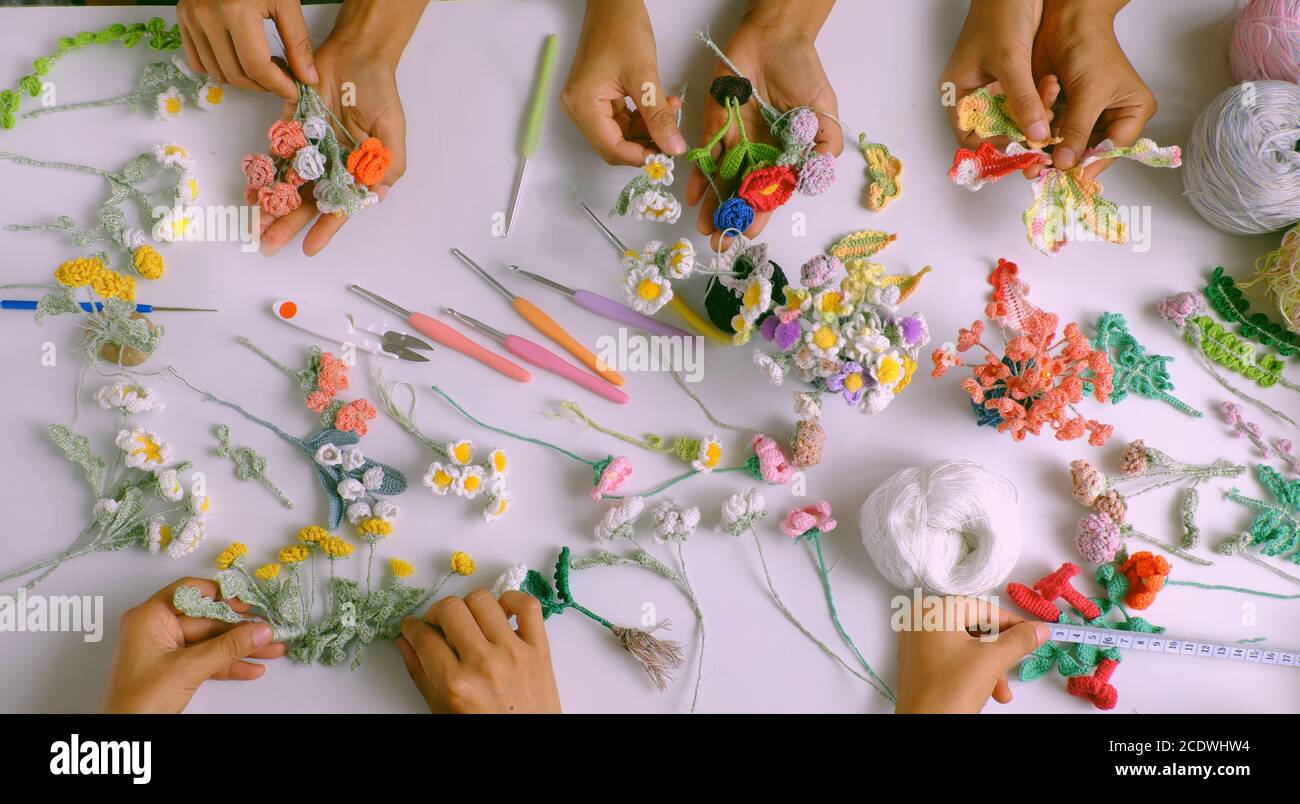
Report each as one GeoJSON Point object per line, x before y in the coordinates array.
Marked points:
{"type": "Point", "coordinates": [814, 535]}
{"type": "Point", "coordinates": [1238, 545]}
{"type": "Point", "coordinates": [249, 464]}
{"type": "Point", "coordinates": [1222, 588]}
{"type": "Point", "coordinates": [1129, 530]}
{"type": "Point", "coordinates": [526, 439]}
{"type": "Point", "coordinates": [667, 484]}
{"type": "Point", "coordinates": [116, 179]}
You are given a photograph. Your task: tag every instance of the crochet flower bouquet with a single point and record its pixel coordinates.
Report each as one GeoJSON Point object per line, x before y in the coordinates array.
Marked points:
{"type": "Point", "coordinates": [305, 149]}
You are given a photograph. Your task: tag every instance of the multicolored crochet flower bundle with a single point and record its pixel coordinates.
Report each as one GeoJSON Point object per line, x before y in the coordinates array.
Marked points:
{"type": "Point", "coordinates": [1089, 667]}
{"type": "Point", "coordinates": [764, 176]}
{"type": "Point", "coordinates": [140, 500]}
{"type": "Point", "coordinates": [1038, 378]}
{"type": "Point", "coordinates": [305, 149]}
{"type": "Point", "coordinates": [1064, 200]}
{"type": "Point", "coordinates": [355, 616]}
{"type": "Point", "coordinates": [646, 196]}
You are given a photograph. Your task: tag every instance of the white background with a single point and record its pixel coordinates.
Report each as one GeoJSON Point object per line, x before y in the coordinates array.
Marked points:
{"type": "Point", "coordinates": [465, 81]}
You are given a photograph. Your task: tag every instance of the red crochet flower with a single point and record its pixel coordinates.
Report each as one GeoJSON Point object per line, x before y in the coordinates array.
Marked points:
{"type": "Point", "coordinates": [767, 188]}
{"type": "Point", "coordinates": [286, 138]}
{"type": "Point", "coordinates": [369, 162]}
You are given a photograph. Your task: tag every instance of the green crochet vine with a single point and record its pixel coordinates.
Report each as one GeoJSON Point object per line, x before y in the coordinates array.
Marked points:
{"type": "Point", "coordinates": [1228, 301]}
{"type": "Point", "coordinates": [155, 32]}
{"type": "Point", "coordinates": [1238, 354]}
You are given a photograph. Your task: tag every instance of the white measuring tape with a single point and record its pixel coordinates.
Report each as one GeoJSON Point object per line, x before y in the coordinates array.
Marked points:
{"type": "Point", "coordinates": [1159, 643]}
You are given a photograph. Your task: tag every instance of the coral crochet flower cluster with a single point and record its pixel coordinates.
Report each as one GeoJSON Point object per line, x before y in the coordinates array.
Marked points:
{"type": "Point", "coordinates": [1035, 380]}
{"type": "Point", "coordinates": [305, 150]}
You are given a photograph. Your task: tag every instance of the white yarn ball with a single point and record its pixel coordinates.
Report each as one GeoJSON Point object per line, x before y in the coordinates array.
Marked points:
{"type": "Point", "coordinates": [949, 528]}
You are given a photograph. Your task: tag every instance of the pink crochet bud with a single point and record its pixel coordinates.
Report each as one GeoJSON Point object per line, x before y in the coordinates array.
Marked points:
{"type": "Point", "coordinates": [1099, 538]}
{"type": "Point", "coordinates": [772, 463]}
{"type": "Point", "coordinates": [612, 477]}
{"type": "Point", "coordinates": [801, 520]}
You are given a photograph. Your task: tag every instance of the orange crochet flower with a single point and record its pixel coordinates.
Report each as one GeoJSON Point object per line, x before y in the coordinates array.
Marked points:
{"type": "Point", "coordinates": [369, 161]}
{"type": "Point", "coordinates": [353, 416]}
{"type": "Point", "coordinates": [1146, 573]}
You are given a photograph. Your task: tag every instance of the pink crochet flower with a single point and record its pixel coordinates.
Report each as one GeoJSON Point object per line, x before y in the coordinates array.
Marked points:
{"type": "Point", "coordinates": [333, 375]}
{"type": "Point", "coordinates": [317, 401]}
{"type": "Point", "coordinates": [292, 178]}
{"type": "Point", "coordinates": [1133, 460]}
{"type": "Point", "coordinates": [612, 477]}
{"type": "Point", "coordinates": [772, 463]}
{"type": "Point", "coordinates": [817, 175]}
{"type": "Point", "coordinates": [1087, 483]}
{"type": "Point", "coordinates": [258, 169]}
{"type": "Point", "coordinates": [1099, 538]}
{"type": "Point", "coordinates": [278, 199]}
{"type": "Point", "coordinates": [804, 125]}
{"type": "Point", "coordinates": [801, 520]}
{"type": "Point", "coordinates": [1181, 306]}
{"type": "Point", "coordinates": [353, 416]}
{"type": "Point", "coordinates": [286, 138]}
{"type": "Point", "coordinates": [820, 270]}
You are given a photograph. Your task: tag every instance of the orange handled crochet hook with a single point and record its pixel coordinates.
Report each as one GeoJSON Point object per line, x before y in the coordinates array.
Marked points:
{"type": "Point", "coordinates": [544, 324]}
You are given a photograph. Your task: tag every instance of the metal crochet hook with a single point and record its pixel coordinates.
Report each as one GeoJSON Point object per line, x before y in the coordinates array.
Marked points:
{"type": "Point", "coordinates": [679, 306]}
{"type": "Point", "coordinates": [543, 323]}
{"type": "Point", "coordinates": [544, 359]}
{"type": "Point", "coordinates": [606, 307]}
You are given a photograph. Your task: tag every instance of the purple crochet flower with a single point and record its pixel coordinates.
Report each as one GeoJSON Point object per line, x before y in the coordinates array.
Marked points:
{"type": "Point", "coordinates": [786, 334]}
{"type": "Point", "coordinates": [851, 381]}
{"type": "Point", "coordinates": [804, 125]}
{"type": "Point", "coordinates": [1180, 307]}
{"type": "Point", "coordinates": [913, 329]}
{"type": "Point", "coordinates": [819, 270]}
{"type": "Point", "coordinates": [1099, 538]}
{"type": "Point", "coordinates": [734, 213]}
{"type": "Point", "coordinates": [817, 175]}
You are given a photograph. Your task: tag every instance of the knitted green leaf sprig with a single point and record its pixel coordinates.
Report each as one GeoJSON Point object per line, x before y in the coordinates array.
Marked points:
{"type": "Point", "coordinates": [154, 32]}
{"type": "Point", "coordinates": [1276, 528]}
{"type": "Point", "coordinates": [1136, 370]}
{"type": "Point", "coordinates": [1229, 301]}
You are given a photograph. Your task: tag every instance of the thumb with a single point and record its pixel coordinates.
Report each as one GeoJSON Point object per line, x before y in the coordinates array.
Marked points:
{"type": "Point", "coordinates": [297, 41]}
{"type": "Point", "coordinates": [213, 656]}
{"type": "Point", "coordinates": [1017, 642]}
{"type": "Point", "coordinates": [1081, 114]}
{"type": "Point", "coordinates": [657, 112]}
{"type": "Point", "coordinates": [1024, 103]}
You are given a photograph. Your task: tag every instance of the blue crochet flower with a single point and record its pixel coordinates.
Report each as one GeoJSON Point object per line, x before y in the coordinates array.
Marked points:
{"type": "Point", "coordinates": [734, 213]}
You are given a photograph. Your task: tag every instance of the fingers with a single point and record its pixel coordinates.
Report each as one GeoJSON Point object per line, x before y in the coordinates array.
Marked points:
{"type": "Point", "coordinates": [321, 232]}
{"type": "Point", "coordinates": [1049, 89]}
{"type": "Point", "coordinates": [1017, 642]}
{"type": "Point", "coordinates": [490, 616]}
{"type": "Point", "coordinates": [1002, 690]}
{"type": "Point", "coordinates": [415, 670]}
{"type": "Point", "coordinates": [241, 671]}
{"type": "Point", "coordinates": [977, 613]}
{"type": "Point", "coordinates": [1023, 101]}
{"type": "Point", "coordinates": [527, 612]}
{"type": "Point", "coordinates": [281, 230]}
{"type": "Point", "coordinates": [1124, 126]}
{"type": "Point", "coordinates": [660, 118]}
{"type": "Point", "coordinates": [390, 128]}
{"type": "Point", "coordinates": [254, 57]}
{"type": "Point", "coordinates": [595, 118]}
{"type": "Point", "coordinates": [209, 658]}
{"type": "Point", "coordinates": [1083, 107]}
{"type": "Point", "coordinates": [207, 58]}
{"type": "Point", "coordinates": [458, 625]}
{"type": "Point", "coordinates": [289, 21]}
{"type": "Point", "coordinates": [430, 646]}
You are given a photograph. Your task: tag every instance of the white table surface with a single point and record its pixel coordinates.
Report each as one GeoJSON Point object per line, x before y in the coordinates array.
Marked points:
{"type": "Point", "coordinates": [465, 80]}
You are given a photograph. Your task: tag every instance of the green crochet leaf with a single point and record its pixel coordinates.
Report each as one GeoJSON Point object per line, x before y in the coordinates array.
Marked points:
{"type": "Point", "coordinates": [1067, 666]}
{"type": "Point", "coordinates": [702, 159]}
{"type": "Point", "coordinates": [1034, 668]}
{"type": "Point", "coordinates": [56, 302]}
{"type": "Point", "coordinates": [127, 509]}
{"type": "Point", "coordinates": [135, 536]}
{"type": "Point", "coordinates": [860, 244]}
{"type": "Point", "coordinates": [1114, 581]}
{"type": "Point", "coordinates": [1276, 528]}
{"type": "Point", "coordinates": [1137, 625]}
{"type": "Point", "coordinates": [1136, 370]}
{"type": "Point", "coordinates": [733, 161]}
{"type": "Point", "coordinates": [761, 154]}
{"type": "Point", "coordinates": [1236, 353]}
{"type": "Point", "coordinates": [76, 448]}
{"type": "Point", "coordinates": [189, 601]}
{"type": "Point", "coordinates": [1230, 302]}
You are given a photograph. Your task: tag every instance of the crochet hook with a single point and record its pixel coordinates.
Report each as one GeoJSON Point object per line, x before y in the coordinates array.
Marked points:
{"type": "Point", "coordinates": [25, 304]}
{"type": "Point", "coordinates": [679, 306]}
{"type": "Point", "coordinates": [533, 126]}
{"type": "Point", "coordinates": [346, 329]}
{"type": "Point", "coordinates": [543, 323]}
{"type": "Point", "coordinates": [449, 337]}
{"type": "Point", "coordinates": [544, 358]}
{"type": "Point", "coordinates": [606, 307]}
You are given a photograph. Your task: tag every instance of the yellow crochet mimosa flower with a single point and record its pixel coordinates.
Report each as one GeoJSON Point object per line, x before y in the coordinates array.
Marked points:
{"type": "Point", "coordinates": [79, 272]}
{"type": "Point", "coordinates": [148, 262]}
{"type": "Point", "coordinates": [231, 554]}
{"type": "Point", "coordinates": [400, 568]}
{"type": "Point", "coordinates": [335, 548]}
{"type": "Point", "coordinates": [266, 572]}
{"type": "Point", "coordinates": [313, 534]}
{"type": "Point", "coordinates": [461, 563]}
{"type": "Point", "coordinates": [375, 526]}
{"type": "Point", "coordinates": [293, 554]}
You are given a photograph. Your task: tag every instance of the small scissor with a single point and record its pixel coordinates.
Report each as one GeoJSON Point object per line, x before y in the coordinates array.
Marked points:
{"type": "Point", "coordinates": [345, 328]}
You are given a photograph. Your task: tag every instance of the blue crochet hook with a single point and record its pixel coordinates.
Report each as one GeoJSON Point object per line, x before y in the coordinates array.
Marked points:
{"type": "Point", "coordinates": [26, 304]}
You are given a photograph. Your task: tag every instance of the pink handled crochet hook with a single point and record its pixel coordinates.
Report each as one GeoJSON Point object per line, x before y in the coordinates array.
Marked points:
{"type": "Point", "coordinates": [605, 307]}
{"type": "Point", "coordinates": [545, 359]}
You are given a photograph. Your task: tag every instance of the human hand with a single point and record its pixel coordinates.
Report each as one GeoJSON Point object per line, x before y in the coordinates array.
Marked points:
{"type": "Point", "coordinates": [226, 39]}
{"type": "Point", "coordinates": [616, 59]}
{"type": "Point", "coordinates": [1104, 96]}
{"type": "Point", "coordinates": [952, 670]}
{"type": "Point", "coordinates": [775, 49]}
{"type": "Point", "coordinates": [465, 658]}
{"type": "Point", "coordinates": [162, 657]}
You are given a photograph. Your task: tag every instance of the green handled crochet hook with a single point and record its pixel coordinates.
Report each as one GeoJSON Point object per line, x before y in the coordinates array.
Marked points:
{"type": "Point", "coordinates": [533, 126]}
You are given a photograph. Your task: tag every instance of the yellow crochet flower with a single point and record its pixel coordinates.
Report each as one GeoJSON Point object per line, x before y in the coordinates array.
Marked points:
{"type": "Point", "coordinates": [79, 272]}
{"type": "Point", "coordinates": [230, 555]}
{"type": "Point", "coordinates": [266, 572]}
{"type": "Point", "coordinates": [375, 526]}
{"type": "Point", "coordinates": [110, 285]}
{"type": "Point", "coordinates": [313, 534]}
{"type": "Point", "coordinates": [293, 554]}
{"type": "Point", "coordinates": [334, 547]}
{"type": "Point", "coordinates": [909, 368]}
{"type": "Point", "coordinates": [461, 563]}
{"type": "Point", "coordinates": [400, 568]}
{"type": "Point", "coordinates": [148, 262]}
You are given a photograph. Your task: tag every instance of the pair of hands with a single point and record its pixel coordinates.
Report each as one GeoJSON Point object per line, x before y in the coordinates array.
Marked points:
{"type": "Point", "coordinates": [1035, 51]}
{"type": "Point", "coordinates": [616, 59]}
{"type": "Point", "coordinates": [226, 40]}
{"type": "Point", "coordinates": [463, 656]}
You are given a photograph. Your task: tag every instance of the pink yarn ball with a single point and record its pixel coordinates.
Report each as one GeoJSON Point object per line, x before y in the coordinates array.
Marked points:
{"type": "Point", "coordinates": [817, 175]}
{"type": "Point", "coordinates": [1099, 538]}
{"type": "Point", "coordinates": [1266, 42]}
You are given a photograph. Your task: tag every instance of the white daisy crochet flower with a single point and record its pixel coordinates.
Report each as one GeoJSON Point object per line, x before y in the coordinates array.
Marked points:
{"type": "Point", "coordinates": [681, 259]}
{"type": "Point", "coordinates": [133, 238]}
{"type": "Point", "coordinates": [658, 168]}
{"type": "Point", "coordinates": [807, 406]}
{"type": "Point", "coordinates": [755, 297]}
{"type": "Point", "coordinates": [188, 540]}
{"type": "Point", "coordinates": [647, 292]}
{"type": "Point", "coordinates": [831, 304]}
{"type": "Point", "coordinates": [329, 455]}
{"type": "Point", "coordinates": [869, 343]}
{"type": "Point", "coordinates": [104, 509]}
{"type": "Point", "coordinates": [373, 478]}
{"type": "Point", "coordinates": [440, 478]}
{"type": "Point", "coordinates": [511, 580]}
{"type": "Point", "coordinates": [824, 340]}
{"type": "Point", "coordinates": [170, 104]}
{"type": "Point", "coordinates": [498, 502]}
{"type": "Point", "coordinates": [470, 482]}
{"type": "Point", "coordinates": [386, 510]}
{"type": "Point", "coordinates": [200, 507]}
{"type": "Point", "coordinates": [741, 511]}
{"type": "Point", "coordinates": [210, 95]}
{"type": "Point", "coordinates": [187, 189]}
{"type": "Point", "coordinates": [174, 224]}
{"type": "Point", "coordinates": [708, 456]}
{"type": "Point", "coordinates": [673, 523]}
{"type": "Point", "coordinates": [358, 511]}
{"type": "Point", "coordinates": [169, 154]}
{"type": "Point", "coordinates": [460, 452]}
{"type": "Point", "coordinates": [351, 489]}
{"type": "Point", "coordinates": [169, 485]}
{"type": "Point", "coordinates": [658, 206]}
{"type": "Point", "coordinates": [128, 397]}
{"type": "Point", "coordinates": [352, 459]}
{"type": "Point", "coordinates": [876, 400]}
{"type": "Point", "coordinates": [497, 463]}
{"type": "Point", "coordinates": [143, 449]}
{"type": "Point", "coordinates": [889, 370]}
{"type": "Point", "coordinates": [770, 368]}
{"type": "Point", "coordinates": [159, 534]}
{"type": "Point", "coordinates": [618, 520]}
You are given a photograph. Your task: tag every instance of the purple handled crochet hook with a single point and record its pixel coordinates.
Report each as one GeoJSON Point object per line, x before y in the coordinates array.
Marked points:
{"type": "Point", "coordinates": [606, 307]}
